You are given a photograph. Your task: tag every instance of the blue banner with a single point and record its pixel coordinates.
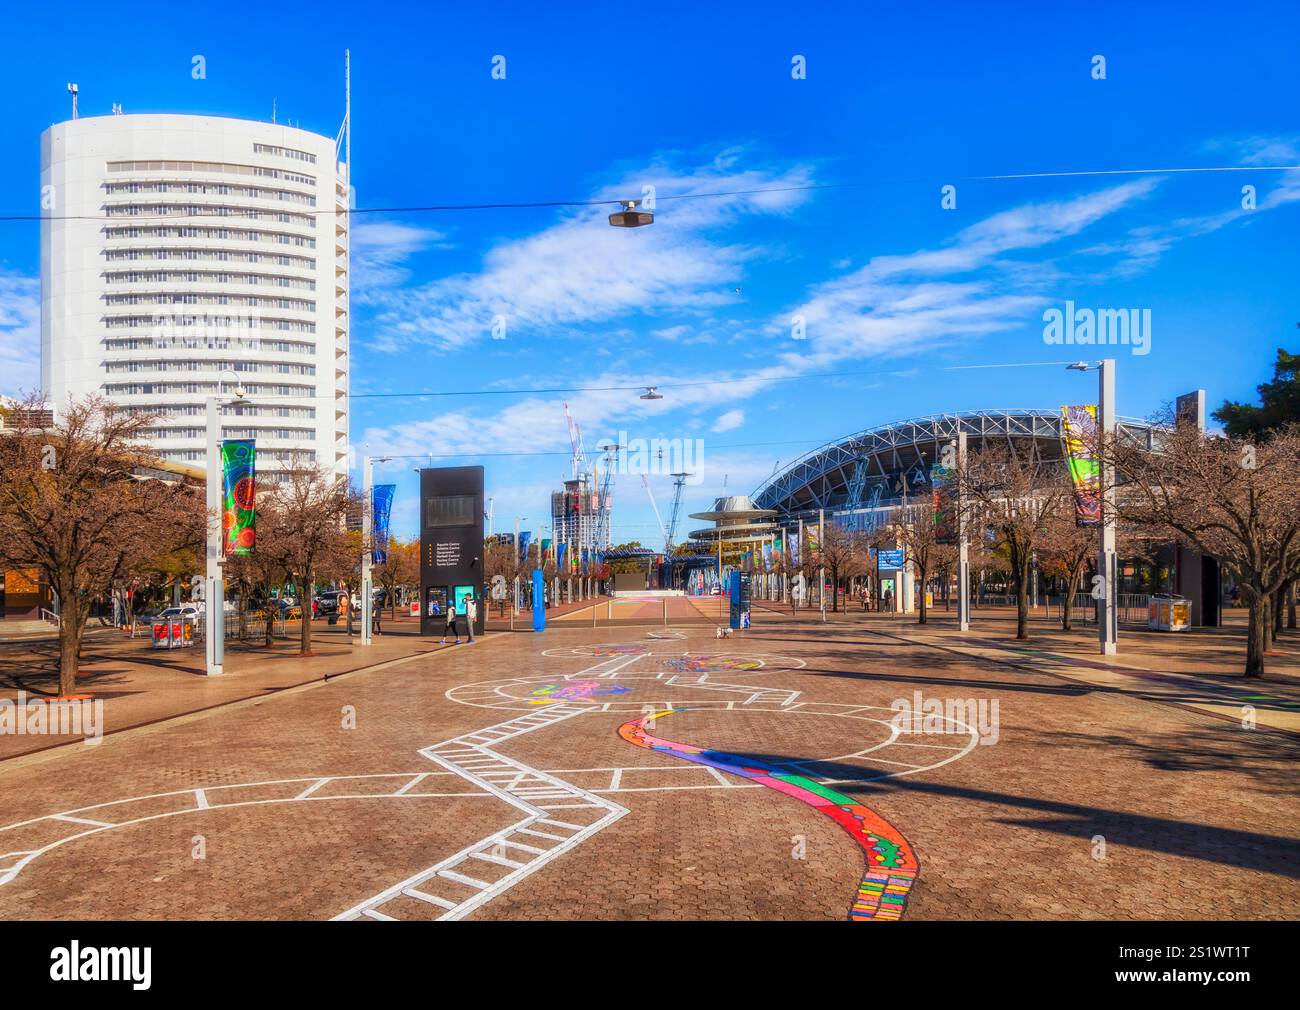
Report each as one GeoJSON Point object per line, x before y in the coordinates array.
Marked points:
{"type": "Point", "coordinates": [559, 558]}
{"type": "Point", "coordinates": [382, 511]}
{"type": "Point", "coordinates": [525, 541]}
{"type": "Point", "coordinates": [539, 601]}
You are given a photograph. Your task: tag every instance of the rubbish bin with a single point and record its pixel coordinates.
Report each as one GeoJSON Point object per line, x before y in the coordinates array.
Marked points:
{"type": "Point", "coordinates": [1169, 613]}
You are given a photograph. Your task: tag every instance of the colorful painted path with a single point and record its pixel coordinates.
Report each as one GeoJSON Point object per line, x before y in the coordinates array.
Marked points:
{"type": "Point", "coordinates": [892, 866]}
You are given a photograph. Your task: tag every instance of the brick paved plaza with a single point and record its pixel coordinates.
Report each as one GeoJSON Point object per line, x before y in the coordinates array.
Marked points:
{"type": "Point", "coordinates": [635, 770]}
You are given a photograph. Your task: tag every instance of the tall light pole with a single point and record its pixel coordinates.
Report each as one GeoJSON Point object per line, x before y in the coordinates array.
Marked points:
{"type": "Point", "coordinates": [214, 590]}
{"type": "Point", "coordinates": [1107, 563]}
{"type": "Point", "coordinates": [367, 545]}
{"type": "Point", "coordinates": [1107, 567]}
{"type": "Point", "coordinates": [963, 549]}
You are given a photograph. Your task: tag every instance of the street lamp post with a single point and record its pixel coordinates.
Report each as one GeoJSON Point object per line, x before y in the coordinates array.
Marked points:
{"type": "Point", "coordinates": [1107, 612]}
{"type": "Point", "coordinates": [963, 549]}
{"type": "Point", "coordinates": [214, 590]}
{"type": "Point", "coordinates": [367, 546]}
{"type": "Point", "coordinates": [1107, 562]}
{"type": "Point", "coordinates": [213, 587]}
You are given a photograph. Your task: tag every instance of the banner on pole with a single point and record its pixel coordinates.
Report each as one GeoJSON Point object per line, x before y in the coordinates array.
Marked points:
{"type": "Point", "coordinates": [238, 497]}
{"type": "Point", "coordinates": [1079, 432]}
{"type": "Point", "coordinates": [945, 526]}
{"type": "Point", "coordinates": [525, 542]}
{"type": "Point", "coordinates": [382, 510]}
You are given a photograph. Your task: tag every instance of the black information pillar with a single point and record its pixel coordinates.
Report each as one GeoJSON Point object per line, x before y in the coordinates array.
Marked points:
{"type": "Point", "coordinates": [451, 546]}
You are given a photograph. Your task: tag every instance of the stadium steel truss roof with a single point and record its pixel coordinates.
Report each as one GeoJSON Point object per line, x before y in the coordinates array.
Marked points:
{"type": "Point", "coordinates": [873, 467]}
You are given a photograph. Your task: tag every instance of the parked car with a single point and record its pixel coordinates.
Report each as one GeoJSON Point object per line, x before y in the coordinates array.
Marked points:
{"type": "Point", "coordinates": [326, 604]}
{"type": "Point", "coordinates": [171, 613]}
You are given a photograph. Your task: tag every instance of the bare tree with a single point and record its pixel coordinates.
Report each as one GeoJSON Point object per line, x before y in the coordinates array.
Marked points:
{"type": "Point", "coordinates": [302, 524]}
{"type": "Point", "coordinates": [1230, 498]}
{"type": "Point", "coordinates": [844, 553]}
{"type": "Point", "coordinates": [400, 567]}
{"type": "Point", "coordinates": [1066, 551]}
{"type": "Point", "coordinates": [917, 530]}
{"type": "Point", "coordinates": [1013, 497]}
{"type": "Point", "coordinates": [73, 506]}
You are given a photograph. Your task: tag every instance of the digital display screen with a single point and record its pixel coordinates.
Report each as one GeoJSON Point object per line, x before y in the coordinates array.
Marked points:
{"type": "Point", "coordinates": [450, 510]}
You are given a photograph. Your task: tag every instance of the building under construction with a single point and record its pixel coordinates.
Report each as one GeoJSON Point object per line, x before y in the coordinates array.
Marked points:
{"type": "Point", "coordinates": [576, 515]}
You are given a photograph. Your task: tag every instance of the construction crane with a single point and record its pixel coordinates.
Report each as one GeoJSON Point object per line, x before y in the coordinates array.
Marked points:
{"type": "Point", "coordinates": [645, 483]}
{"type": "Point", "coordinates": [579, 458]}
{"type": "Point", "coordinates": [670, 534]}
{"type": "Point", "coordinates": [603, 501]}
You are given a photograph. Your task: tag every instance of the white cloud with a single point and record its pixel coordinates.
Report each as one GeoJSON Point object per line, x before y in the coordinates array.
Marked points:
{"type": "Point", "coordinates": [899, 304]}
{"type": "Point", "coordinates": [20, 334]}
{"type": "Point", "coordinates": [380, 248]}
{"type": "Point", "coordinates": [730, 420]}
{"type": "Point", "coordinates": [580, 271]}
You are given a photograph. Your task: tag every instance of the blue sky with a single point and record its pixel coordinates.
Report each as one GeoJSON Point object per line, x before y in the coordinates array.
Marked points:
{"type": "Point", "coordinates": [697, 99]}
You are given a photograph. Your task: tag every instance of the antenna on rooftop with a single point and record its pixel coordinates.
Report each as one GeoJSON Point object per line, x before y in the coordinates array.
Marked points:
{"type": "Point", "coordinates": [72, 90]}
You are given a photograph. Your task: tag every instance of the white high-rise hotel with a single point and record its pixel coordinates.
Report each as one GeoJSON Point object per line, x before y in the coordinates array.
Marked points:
{"type": "Point", "coordinates": [182, 256]}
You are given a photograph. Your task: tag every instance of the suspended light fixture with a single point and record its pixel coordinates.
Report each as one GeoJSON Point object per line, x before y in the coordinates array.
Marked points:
{"type": "Point", "coordinates": [652, 393]}
{"type": "Point", "coordinates": [629, 216]}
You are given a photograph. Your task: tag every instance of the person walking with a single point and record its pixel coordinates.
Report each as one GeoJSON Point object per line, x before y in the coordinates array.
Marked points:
{"type": "Point", "coordinates": [450, 623]}
{"type": "Point", "coordinates": [471, 615]}
{"type": "Point", "coordinates": [889, 600]}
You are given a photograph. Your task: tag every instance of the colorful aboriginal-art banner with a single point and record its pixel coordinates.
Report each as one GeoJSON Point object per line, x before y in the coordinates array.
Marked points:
{"type": "Point", "coordinates": [546, 548]}
{"type": "Point", "coordinates": [945, 522]}
{"type": "Point", "coordinates": [814, 544]}
{"type": "Point", "coordinates": [525, 542]}
{"type": "Point", "coordinates": [381, 512]}
{"type": "Point", "coordinates": [1079, 431]}
{"type": "Point", "coordinates": [796, 550]}
{"type": "Point", "coordinates": [767, 557]}
{"type": "Point", "coordinates": [238, 497]}
{"type": "Point", "coordinates": [584, 556]}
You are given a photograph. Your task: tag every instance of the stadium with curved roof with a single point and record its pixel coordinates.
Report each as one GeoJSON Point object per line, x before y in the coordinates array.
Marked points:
{"type": "Point", "coordinates": [863, 473]}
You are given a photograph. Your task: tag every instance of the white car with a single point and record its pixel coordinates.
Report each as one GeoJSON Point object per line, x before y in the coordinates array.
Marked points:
{"type": "Point", "coordinates": [171, 613]}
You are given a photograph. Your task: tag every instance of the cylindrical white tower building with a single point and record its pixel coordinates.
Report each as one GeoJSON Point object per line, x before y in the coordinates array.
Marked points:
{"type": "Point", "coordinates": [183, 256]}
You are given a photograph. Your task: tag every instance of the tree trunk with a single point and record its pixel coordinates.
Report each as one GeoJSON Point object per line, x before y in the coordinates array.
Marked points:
{"type": "Point", "coordinates": [1290, 607]}
{"type": "Point", "coordinates": [1022, 602]}
{"type": "Point", "coordinates": [69, 653]}
{"type": "Point", "coordinates": [1071, 590]}
{"type": "Point", "coordinates": [1257, 636]}
{"type": "Point", "coordinates": [304, 646]}
{"type": "Point", "coordinates": [921, 616]}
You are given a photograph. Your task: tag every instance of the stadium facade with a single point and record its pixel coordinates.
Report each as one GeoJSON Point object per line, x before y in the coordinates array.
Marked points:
{"type": "Point", "coordinates": [857, 479]}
